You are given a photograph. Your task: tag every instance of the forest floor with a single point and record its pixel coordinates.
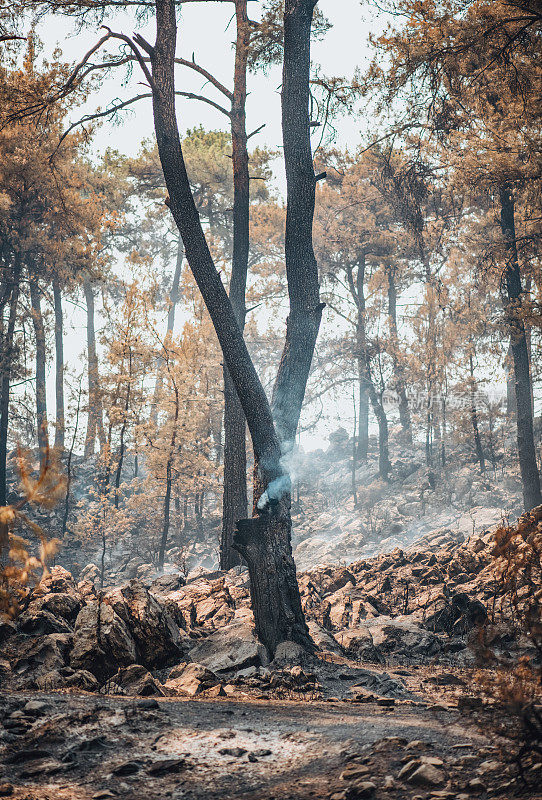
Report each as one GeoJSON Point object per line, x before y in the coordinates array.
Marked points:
{"type": "Point", "coordinates": [89, 746]}
{"type": "Point", "coordinates": [86, 746]}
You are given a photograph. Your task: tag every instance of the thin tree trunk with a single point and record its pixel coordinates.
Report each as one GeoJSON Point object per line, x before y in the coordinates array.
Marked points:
{"type": "Point", "coordinates": [265, 540]}
{"type": "Point", "coordinates": [5, 378]}
{"type": "Point", "coordinates": [364, 361]}
{"type": "Point", "coordinates": [474, 418]}
{"type": "Point", "coordinates": [69, 468]}
{"type": "Point", "coordinates": [95, 416]}
{"type": "Point", "coordinates": [511, 295]}
{"type": "Point", "coordinates": [173, 301]}
{"type": "Point", "coordinates": [118, 473]}
{"type": "Point", "coordinates": [354, 487]}
{"type": "Point", "coordinates": [59, 363]}
{"type": "Point", "coordinates": [404, 411]}
{"type": "Point", "coordinates": [235, 501]}
{"type": "Point", "coordinates": [169, 481]}
{"type": "Point", "coordinates": [41, 392]}
{"type": "Point", "coordinates": [363, 419]}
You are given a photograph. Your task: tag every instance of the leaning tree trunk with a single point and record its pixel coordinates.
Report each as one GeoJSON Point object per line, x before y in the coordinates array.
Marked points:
{"type": "Point", "coordinates": [511, 296]}
{"type": "Point", "coordinates": [41, 392]}
{"type": "Point", "coordinates": [95, 417]}
{"type": "Point", "coordinates": [59, 366]}
{"type": "Point", "coordinates": [5, 379]}
{"type": "Point", "coordinates": [234, 503]}
{"type": "Point", "coordinates": [265, 540]}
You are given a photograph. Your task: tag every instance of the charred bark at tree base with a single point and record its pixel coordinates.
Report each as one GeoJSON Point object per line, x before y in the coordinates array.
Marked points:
{"type": "Point", "coordinates": [264, 542]}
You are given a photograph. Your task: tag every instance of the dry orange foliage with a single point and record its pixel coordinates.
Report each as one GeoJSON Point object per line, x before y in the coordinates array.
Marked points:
{"type": "Point", "coordinates": [23, 570]}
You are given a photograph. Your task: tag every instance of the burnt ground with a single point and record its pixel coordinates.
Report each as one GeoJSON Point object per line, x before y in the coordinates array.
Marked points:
{"type": "Point", "coordinates": [83, 746]}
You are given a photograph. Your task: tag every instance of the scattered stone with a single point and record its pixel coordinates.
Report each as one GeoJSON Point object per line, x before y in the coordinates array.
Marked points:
{"type": "Point", "coordinates": [427, 775]}
{"type": "Point", "coordinates": [235, 752]}
{"type": "Point", "coordinates": [166, 766]}
{"type": "Point", "coordinates": [149, 704]}
{"type": "Point", "coordinates": [126, 768]}
{"type": "Point", "coordinates": [6, 789]}
{"type": "Point", "coordinates": [354, 771]}
{"type": "Point", "coordinates": [476, 785]}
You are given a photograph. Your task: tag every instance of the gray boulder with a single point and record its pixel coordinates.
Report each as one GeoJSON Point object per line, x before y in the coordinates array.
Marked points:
{"type": "Point", "coordinates": [102, 641]}
{"type": "Point", "coordinates": [232, 647]}
{"type": "Point", "coordinates": [157, 637]}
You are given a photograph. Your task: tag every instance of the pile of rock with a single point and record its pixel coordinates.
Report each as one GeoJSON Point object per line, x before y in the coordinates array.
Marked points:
{"type": "Point", "coordinates": [411, 607]}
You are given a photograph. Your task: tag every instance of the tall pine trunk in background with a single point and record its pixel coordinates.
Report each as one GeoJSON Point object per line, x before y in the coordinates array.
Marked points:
{"type": "Point", "coordinates": [474, 418]}
{"type": "Point", "coordinates": [173, 301]}
{"type": "Point", "coordinates": [59, 366]}
{"type": "Point", "coordinates": [234, 503]}
{"type": "Point", "coordinates": [398, 370]}
{"type": "Point", "coordinates": [357, 290]}
{"type": "Point", "coordinates": [95, 415]}
{"type": "Point", "coordinates": [264, 541]}
{"type": "Point", "coordinates": [5, 380]}
{"type": "Point", "coordinates": [41, 391]}
{"type": "Point", "coordinates": [511, 296]}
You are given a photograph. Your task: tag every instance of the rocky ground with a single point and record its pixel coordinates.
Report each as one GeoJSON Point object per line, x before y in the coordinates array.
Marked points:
{"type": "Point", "coordinates": [159, 688]}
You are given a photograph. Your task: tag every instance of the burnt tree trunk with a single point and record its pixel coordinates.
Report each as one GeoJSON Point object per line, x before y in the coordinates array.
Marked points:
{"type": "Point", "coordinates": [265, 540]}
{"type": "Point", "coordinates": [60, 426]}
{"type": "Point", "coordinates": [95, 416]}
{"type": "Point", "coordinates": [511, 297]}
{"type": "Point", "coordinates": [235, 501]}
{"type": "Point", "coordinates": [41, 392]}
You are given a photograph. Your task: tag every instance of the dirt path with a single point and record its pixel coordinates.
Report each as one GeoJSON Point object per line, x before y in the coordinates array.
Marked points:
{"type": "Point", "coordinates": [88, 746]}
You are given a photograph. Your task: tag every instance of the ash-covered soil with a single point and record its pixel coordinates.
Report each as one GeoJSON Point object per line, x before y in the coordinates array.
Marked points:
{"type": "Point", "coordinates": [88, 746]}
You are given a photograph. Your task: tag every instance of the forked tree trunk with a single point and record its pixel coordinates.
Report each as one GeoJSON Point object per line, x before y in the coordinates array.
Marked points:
{"type": "Point", "coordinates": [234, 502]}
{"type": "Point", "coordinates": [511, 296]}
{"type": "Point", "coordinates": [60, 426]}
{"type": "Point", "coordinates": [41, 392]}
{"type": "Point", "coordinates": [95, 416]}
{"type": "Point", "coordinates": [264, 541]}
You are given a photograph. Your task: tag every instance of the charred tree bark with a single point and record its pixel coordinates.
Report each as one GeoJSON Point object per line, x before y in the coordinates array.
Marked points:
{"type": "Point", "coordinates": [95, 416]}
{"type": "Point", "coordinates": [404, 411]}
{"type": "Point", "coordinates": [41, 392]}
{"type": "Point", "coordinates": [5, 379]}
{"type": "Point", "coordinates": [60, 426]}
{"type": "Point", "coordinates": [265, 540]}
{"type": "Point", "coordinates": [511, 296]}
{"type": "Point", "coordinates": [234, 502]}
